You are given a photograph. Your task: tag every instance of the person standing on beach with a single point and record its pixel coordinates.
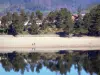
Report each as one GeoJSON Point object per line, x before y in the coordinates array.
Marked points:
{"type": "Point", "coordinates": [34, 46]}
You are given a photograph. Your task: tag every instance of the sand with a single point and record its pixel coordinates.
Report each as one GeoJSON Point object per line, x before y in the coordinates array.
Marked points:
{"type": "Point", "coordinates": [47, 44]}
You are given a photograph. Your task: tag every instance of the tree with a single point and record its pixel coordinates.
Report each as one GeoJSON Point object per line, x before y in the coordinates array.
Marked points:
{"type": "Point", "coordinates": [34, 28]}
{"type": "Point", "coordinates": [17, 24]}
{"type": "Point", "coordinates": [39, 15]}
{"type": "Point", "coordinates": [44, 25]}
{"type": "Point", "coordinates": [79, 28]}
{"type": "Point", "coordinates": [19, 64]}
{"type": "Point", "coordinates": [93, 21]}
{"type": "Point", "coordinates": [39, 66]}
{"type": "Point", "coordinates": [51, 16]}
{"type": "Point", "coordinates": [67, 22]}
{"type": "Point", "coordinates": [9, 16]}
{"type": "Point", "coordinates": [51, 19]}
{"type": "Point", "coordinates": [79, 22]}
{"type": "Point", "coordinates": [59, 20]}
{"type": "Point", "coordinates": [4, 21]}
{"type": "Point", "coordinates": [63, 19]}
{"type": "Point", "coordinates": [32, 16]}
{"type": "Point", "coordinates": [87, 20]}
{"type": "Point", "coordinates": [23, 15]}
{"type": "Point", "coordinates": [4, 25]}
{"type": "Point", "coordinates": [15, 16]}
{"type": "Point", "coordinates": [6, 64]}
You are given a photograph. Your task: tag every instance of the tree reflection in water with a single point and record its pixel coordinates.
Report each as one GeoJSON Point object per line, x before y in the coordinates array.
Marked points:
{"type": "Point", "coordinates": [55, 62]}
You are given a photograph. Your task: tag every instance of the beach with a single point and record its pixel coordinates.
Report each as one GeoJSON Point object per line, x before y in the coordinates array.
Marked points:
{"type": "Point", "coordinates": [47, 43]}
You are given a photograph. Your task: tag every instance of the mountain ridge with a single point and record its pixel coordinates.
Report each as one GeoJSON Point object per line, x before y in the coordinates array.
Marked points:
{"type": "Point", "coordinates": [44, 5]}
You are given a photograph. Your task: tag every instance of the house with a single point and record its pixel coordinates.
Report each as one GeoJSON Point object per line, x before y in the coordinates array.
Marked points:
{"type": "Point", "coordinates": [9, 22]}
{"type": "Point", "coordinates": [75, 16]}
{"type": "Point", "coordinates": [26, 23]}
{"type": "Point", "coordinates": [83, 15]}
{"type": "Point", "coordinates": [39, 22]}
{"type": "Point", "coordinates": [0, 23]}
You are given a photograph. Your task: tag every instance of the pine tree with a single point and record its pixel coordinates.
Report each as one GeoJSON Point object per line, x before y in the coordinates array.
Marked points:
{"type": "Point", "coordinates": [32, 16]}
{"type": "Point", "coordinates": [17, 24]}
{"type": "Point", "coordinates": [39, 14]}
{"type": "Point", "coordinates": [34, 28]}
{"type": "Point", "coordinates": [92, 21]}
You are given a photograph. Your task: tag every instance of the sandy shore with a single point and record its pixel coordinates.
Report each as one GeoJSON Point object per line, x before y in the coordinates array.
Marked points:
{"type": "Point", "coordinates": [47, 44]}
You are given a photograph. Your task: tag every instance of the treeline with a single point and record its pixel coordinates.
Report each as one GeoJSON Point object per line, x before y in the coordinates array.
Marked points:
{"type": "Point", "coordinates": [14, 23]}
{"type": "Point", "coordinates": [56, 21]}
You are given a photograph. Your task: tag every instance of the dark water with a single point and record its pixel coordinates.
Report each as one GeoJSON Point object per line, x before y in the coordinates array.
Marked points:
{"type": "Point", "coordinates": [61, 63]}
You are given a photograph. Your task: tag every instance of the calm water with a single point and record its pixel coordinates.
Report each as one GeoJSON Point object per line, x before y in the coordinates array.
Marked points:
{"type": "Point", "coordinates": [61, 63]}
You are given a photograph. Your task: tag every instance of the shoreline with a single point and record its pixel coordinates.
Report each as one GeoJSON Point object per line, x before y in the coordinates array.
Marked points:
{"type": "Point", "coordinates": [47, 44]}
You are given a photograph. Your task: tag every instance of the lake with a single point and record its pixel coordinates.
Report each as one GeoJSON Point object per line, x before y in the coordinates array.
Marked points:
{"type": "Point", "coordinates": [59, 63]}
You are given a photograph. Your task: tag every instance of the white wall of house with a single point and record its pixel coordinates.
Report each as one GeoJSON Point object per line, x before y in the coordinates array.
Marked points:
{"type": "Point", "coordinates": [26, 23]}
{"type": "Point", "coordinates": [0, 23]}
{"type": "Point", "coordinates": [38, 22]}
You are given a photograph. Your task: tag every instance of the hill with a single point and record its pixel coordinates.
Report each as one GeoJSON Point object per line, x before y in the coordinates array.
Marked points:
{"type": "Point", "coordinates": [44, 5]}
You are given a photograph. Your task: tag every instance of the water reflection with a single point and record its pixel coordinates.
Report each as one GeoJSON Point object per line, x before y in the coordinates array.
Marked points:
{"type": "Point", "coordinates": [61, 63]}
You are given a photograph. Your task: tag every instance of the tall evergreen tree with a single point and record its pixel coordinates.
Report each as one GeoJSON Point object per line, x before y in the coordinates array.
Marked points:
{"type": "Point", "coordinates": [39, 14]}
{"type": "Point", "coordinates": [23, 15]}
{"type": "Point", "coordinates": [67, 21]}
{"type": "Point", "coordinates": [17, 26]}
{"type": "Point", "coordinates": [92, 21]}
{"type": "Point", "coordinates": [63, 19]}
{"type": "Point", "coordinates": [9, 16]}
{"type": "Point", "coordinates": [32, 16]}
{"type": "Point", "coordinates": [34, 28]}
{"type": "Point", "coordinates": [4, 21]}
{"type": "Point", "coordinates": [79, 28]}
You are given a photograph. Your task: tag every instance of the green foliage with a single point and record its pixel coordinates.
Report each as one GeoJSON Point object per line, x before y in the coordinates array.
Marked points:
{"type": "Point", "coordinates": [33, 56]}
{"type": "Point", "coordinates": [18, 26]}
{"type": "Point", "coordinates": [4, 21]}
{"type": "Point", "coordinates": [3, 30]}
{"type": "Point", "coordinates": [55, 20]}
{"type": "Point", "coordinates": [17, 23]}
{"type": "Point", "coordinates": [63, 20]}
{"type": "Point", "coordinates": [44, 25]}
{"type": "Point", "coordinates": [39, 66]}
{"type": "Point", "coordinates": [79, 27]}
{"type": "Point", "coordinates": [19, 63]}
{"type": "Point", "coordinates": [6, 64]}
{"type": "Point", "coordinates": [92, 21]}
{"type": "Point", "coordinates": [51, 16]}
{"type": "Point", "coordinates": [15, 16]}
{"type": "Point", "coordinates": [23, 15]}
{"type": "Point", "coordinates": [32, 16]}
{"type": "Point", "coordinates": [67, 20]}
{"type": "Point", "coordinates": [34, 28]}
{"type": "Point", "coordinates": [39, 15]}
{"type": "Point", "coordinates": [87, 20]}
{"type": "Point", "coordinates": [9, 16]}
